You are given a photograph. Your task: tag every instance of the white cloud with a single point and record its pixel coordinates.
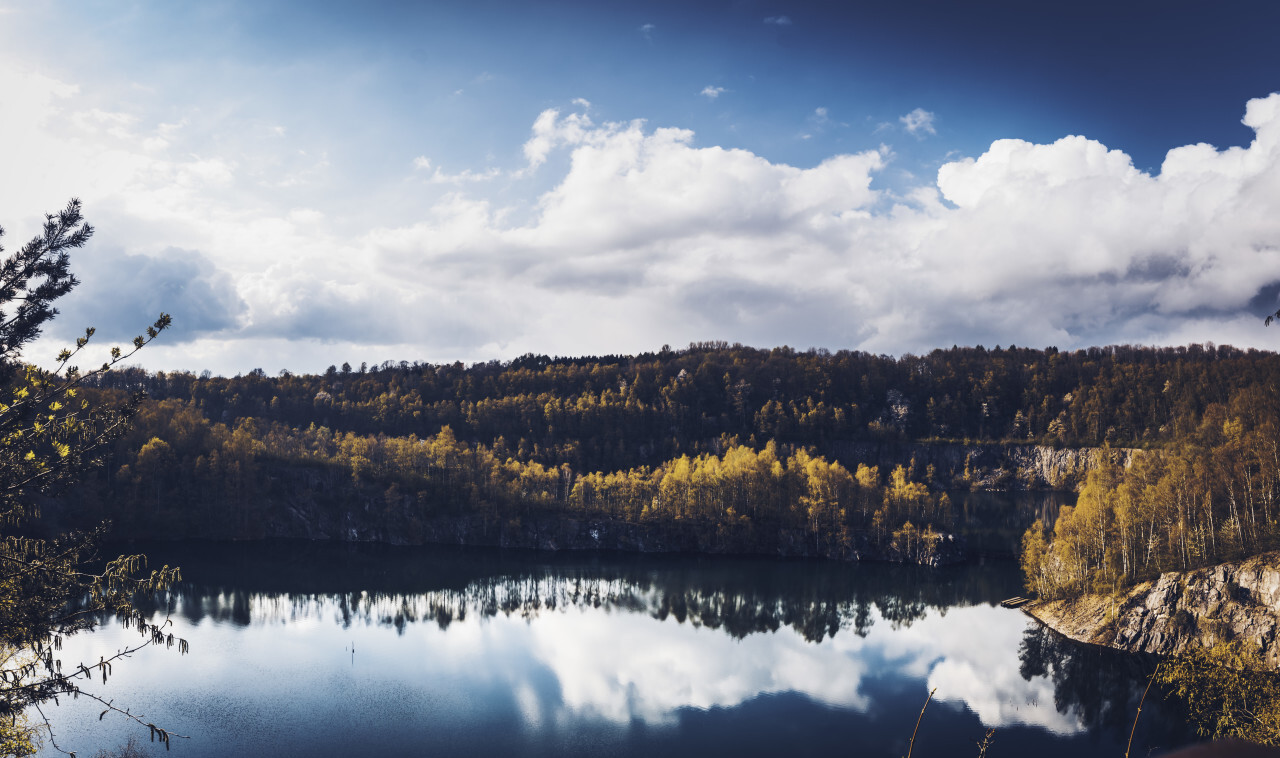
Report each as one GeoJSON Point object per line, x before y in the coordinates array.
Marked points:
{"type": "Point", "coordinates": [918, 122]}
{"type": "Point", "coordinates": [1065, 243]}
{"type": "Point", "coordinates": [630, 187]}
{"type": "Point", "coordinates": [712, 92]}
{"type": "Point", "coordinates": [778, 20]}
{"type": "Point", "coordinates": [466, 176]}
{"type": "Point", "coordinates": [659, 239]}
{"type": "Point", "coordinates": [550, 131]}
{"type": "Point", "coordinates": [647, 30]}
{"type": "Point", "coordinates": [671, 666]}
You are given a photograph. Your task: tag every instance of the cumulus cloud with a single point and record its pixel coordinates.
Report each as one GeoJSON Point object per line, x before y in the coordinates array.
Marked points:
{"type": "Point", "coordinates": [712, 92]}
{"type": "Point", "coordinates": [918, 122]}
{"type": "Point", "coordinates": [637, 235]}
{"type": "Point", "coordinates": [121, 294]}
{"type": "Point", "coordinates": [551, 131]}
{"type": "Point", "coordinates": [630, 188]}
{"type": "Point", "coordinates": [1064, 243]}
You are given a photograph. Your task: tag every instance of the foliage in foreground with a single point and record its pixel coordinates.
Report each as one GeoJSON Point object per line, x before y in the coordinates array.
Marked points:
{"type": "Point", "coordinates": [131, 749]}
{"type": "Point", "coordinates": [50, 437]}
{"type": "Point", "coordinates": [18, 736]}
{"type": "Point", "coordinates": [1227, 692]}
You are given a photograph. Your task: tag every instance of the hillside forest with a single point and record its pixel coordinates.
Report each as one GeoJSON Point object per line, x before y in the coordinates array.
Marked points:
{"type": "Point", "coordinates": [736, 449]}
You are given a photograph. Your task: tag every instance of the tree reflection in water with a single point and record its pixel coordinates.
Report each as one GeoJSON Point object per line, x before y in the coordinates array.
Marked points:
{"type": "Point", "coordinates": [1102, 687]}
{"type": "Point", "coordinates": [243, 584]}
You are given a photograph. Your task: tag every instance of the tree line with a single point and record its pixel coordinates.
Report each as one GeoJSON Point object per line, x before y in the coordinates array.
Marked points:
{"type": "Point", "coordinates": [617, 412]}
{"type": "Point", "coordinates": [178, 474]}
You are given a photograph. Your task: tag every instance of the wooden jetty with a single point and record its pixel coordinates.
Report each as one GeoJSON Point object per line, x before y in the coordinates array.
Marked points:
{"type": "Point", "coordinates": [1015, 602]}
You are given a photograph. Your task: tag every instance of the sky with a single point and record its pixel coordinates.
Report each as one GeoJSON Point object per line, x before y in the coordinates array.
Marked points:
{"type": "Point", "coordinates": [306, 183]}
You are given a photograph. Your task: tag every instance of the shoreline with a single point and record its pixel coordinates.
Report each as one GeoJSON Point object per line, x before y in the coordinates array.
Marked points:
{"type": "Point", "coordinates": [1234, 602]}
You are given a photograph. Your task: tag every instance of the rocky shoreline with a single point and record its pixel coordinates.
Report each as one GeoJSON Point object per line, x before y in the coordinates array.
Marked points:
{"type": "Point", "coordinates": [1236, 602]}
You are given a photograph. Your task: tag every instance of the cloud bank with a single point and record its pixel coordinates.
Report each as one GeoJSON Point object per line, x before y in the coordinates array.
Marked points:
{"type": "Point", "coordinates": [1065, 244]}
{"type": "Point", "coordinates": [621, 236]}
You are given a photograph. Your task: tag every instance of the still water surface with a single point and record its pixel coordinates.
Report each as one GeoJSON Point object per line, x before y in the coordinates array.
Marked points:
{"type": "Point", "coordinates": [302, 649]}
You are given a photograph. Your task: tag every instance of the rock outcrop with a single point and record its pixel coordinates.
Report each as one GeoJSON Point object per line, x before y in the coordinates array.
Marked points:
{"type": "Point", "coordinates": [1232, 602]}
{"type": "Point", "coordinates": [994, 467]}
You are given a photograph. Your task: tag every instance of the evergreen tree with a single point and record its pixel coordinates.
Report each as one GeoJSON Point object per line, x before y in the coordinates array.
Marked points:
{"type": "Point", "coordinates": [49, 438]}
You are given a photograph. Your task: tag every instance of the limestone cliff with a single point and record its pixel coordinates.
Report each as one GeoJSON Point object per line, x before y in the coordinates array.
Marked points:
{"type": "Point", "coordinates": [1233, 602]}
{"type": "Point", "coordinates": [987, 466]}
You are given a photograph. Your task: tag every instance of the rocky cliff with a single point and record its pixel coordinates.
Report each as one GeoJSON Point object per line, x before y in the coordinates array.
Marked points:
{"type": "Point", "coordinates": [1233, 602]}
{"type": "Point", "coordinates": [998, 467]}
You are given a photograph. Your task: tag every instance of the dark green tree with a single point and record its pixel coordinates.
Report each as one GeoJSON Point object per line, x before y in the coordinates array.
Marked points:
{"type": "Point", "coordinates": [50, 437]}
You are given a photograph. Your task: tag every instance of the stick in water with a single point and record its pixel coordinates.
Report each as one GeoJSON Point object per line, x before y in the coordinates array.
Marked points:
{"type": "Point", "coordinates": [1151, 679]}
{"type": "Point", "coordinates": [912, 744]}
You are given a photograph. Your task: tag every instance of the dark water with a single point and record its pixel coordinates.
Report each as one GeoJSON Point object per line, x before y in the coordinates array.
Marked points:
{"type": "Point", "coordinates": [992, 523]}
{"type": "Point", "coordinates": [336, 650]}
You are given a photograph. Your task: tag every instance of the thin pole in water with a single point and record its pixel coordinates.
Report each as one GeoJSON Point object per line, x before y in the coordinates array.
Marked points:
{"type": "Point", "coordinates": [911, 745]}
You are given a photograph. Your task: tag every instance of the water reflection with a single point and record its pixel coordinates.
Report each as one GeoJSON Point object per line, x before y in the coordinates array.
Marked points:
{"type": "Point", "coordinates": [243, 583]}
{"type": "Point", "coordinates": [480, 651]}
{"type": "Point", "coordinates": [993, 523]}
{"type": "Point", "coordinates": [1100, 687]}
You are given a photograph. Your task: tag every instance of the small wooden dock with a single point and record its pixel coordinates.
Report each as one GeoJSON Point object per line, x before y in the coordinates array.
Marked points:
{"type": "Point", "coordinates": [1015, 602]}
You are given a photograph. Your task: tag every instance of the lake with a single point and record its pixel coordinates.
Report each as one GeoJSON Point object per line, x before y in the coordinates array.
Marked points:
{"type": "Point", "coordinates": [315, 649]}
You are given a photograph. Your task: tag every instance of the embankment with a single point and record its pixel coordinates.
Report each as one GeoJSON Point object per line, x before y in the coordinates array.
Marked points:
{"type": "Point", "coordinates": [1237, 602]}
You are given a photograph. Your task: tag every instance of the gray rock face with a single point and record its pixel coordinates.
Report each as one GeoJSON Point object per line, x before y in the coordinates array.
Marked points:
{"type": "Point", "coordinates": [988, 466]}
{"type": "Point", "coordinates": [1232, 602]}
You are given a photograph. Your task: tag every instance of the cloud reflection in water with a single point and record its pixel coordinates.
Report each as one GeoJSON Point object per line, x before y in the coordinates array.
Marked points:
{"type": "Point", "coordinates": [487, 652]}
{"type": "Point", "coordinates": [615, 660]}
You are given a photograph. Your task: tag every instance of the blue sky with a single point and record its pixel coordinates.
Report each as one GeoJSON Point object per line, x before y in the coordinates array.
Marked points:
{"type": "Point", "coordinates": [303, 183]}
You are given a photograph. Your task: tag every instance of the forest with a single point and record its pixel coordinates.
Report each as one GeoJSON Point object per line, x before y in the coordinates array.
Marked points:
{"type": "Point", "coordinates": [746, 449]}
{"type": "Point", "coordinates": [615, 412]}
{"type": "Point", "coordinates": [1208, 496]}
